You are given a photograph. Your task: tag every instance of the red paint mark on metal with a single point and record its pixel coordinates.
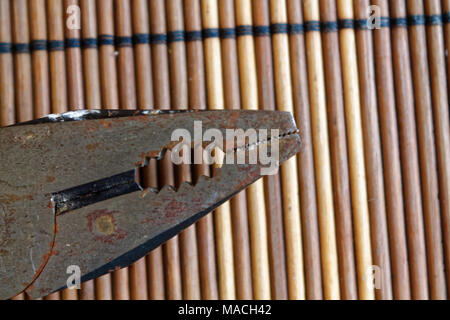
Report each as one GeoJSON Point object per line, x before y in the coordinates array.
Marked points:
{"type": "Point", "coordinates": [147, 220]}
{"type": "Point", "coordinates": [174, 209]}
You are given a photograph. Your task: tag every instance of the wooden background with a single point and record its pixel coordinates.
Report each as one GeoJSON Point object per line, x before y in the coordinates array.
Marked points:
{"type": "Point", "coordinates": [369, 194]}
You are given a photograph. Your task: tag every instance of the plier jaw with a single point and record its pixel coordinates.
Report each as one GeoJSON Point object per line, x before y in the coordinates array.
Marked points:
{"type": "Point", "coordinates": [69, 195]}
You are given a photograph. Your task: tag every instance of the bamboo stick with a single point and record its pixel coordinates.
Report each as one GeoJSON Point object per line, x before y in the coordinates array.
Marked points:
{"type": "Point", "coordinates": [356, 153]}
{"type": "Point", "coordinates": [161, 80]}
{"type": "Point", "coordinates": [321, 151]}
{"type": "Point", "coordinates": [110, 99]}
{"type": "Point", "coordinates": [439, 89]}
{"type": "Point", "coordinates": [446, 15]}
{"type": "Point", "coordinates": [239, 214]}
{"type": "Point", "coordinates": [103, 287]}
{"type": "Point", "coordinates": [90, 55]}
{"type": "Point", "coordinates": [87, 291]}
{"type": "Point", "coordinates": [53, 296]}
{"type": "Point", "coordinates": [177, 55]}
{"type": "Point", "coordinates": [213, 61]}
{"type": "Point", "coordinates": [373, 157]}
{"type": "Point", "coordinates": [142, 55]}
{"type": "Point", "coordinates": [179, 95]}
{"type": "Point", "coordinates": [391, 158]}
{"type": "Point", "coordinates": [255, 193]}
{"type": "Point", "coordinates": [138, 280]}
{"type": "Point", "coordinates": [339, 151]}
{"type": "Point", "coordinates": [305, 163]}
{"type": "Point", "coordinates": [272, 187]}
{"type": "Point", "coordinates": [427, 153]}
{"type": "Point", "coordinates": [38, 33]}
{"type": "Point", "coordinates": [74, 65]}
{"type": "Point", "coordinates": [155, 270]}
{"type": "Point", "coordinates": [125, 57]}
{"type": "Point", "coordinates": [197, 100]}
{"type": "Point", "coordinates": [22, 62]}
{"type": "Point", "coordinates": [58, 79]}
{"type": "Point", "coordinates": [108, 71]}
{"type": "Point", "coordinates": [409, 155]}
{"type": "Point", "coordinates": [20, 297]}
{"type": "Point", "coordinates": [6, 67]}
{"type": "Point", "coordinates": [149, 273]}
{"type": "Point", "coordinates": [291, 204]}
{"type": "Point", "coordinates": [161, 88]}
{"type": "Point", "coordinates": [215, 100]}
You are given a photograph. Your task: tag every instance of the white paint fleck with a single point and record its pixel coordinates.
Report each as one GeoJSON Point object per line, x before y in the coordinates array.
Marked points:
{"type": "Point", "coordinates": [31, 259]}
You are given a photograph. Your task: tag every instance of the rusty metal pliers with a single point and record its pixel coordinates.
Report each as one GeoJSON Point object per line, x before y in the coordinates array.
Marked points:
{"type": "Point", "coordinates": [69, 193]}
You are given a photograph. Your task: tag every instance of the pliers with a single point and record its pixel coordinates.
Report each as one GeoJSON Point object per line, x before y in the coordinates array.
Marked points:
{"type": "Point", "coordinates": [69, 195]}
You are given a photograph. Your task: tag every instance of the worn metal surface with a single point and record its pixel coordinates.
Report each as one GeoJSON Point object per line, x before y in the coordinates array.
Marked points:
{"type": "Point", "coordinates": [51, 157]}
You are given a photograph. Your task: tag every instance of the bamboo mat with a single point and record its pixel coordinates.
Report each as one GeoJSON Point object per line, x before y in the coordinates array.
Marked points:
{"type": "Point", "coordinates": [362, 212]}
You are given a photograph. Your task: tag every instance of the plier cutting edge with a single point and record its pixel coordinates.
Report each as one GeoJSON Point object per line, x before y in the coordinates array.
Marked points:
{"type": "Point", "coordinates": [69, 193]}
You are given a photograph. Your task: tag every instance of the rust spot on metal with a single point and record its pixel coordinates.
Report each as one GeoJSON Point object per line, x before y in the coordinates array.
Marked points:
{"type": "Point", "coordinates": [102, 224]}
{"type": "Point", "coordinates": [174, 208]}
{"type": "Point", "coordinates": [10, 198]}
{"type": "Point", "coordinates": [234, 118]}
{"type": "Point", "coordinates": [56, 228]}
{"type": "Point", "coordinates": [90, 126]}
{"type": "Point", "coordinates": [106, 124]}
{"type": "Point", "coordinates": [105, 225]}
{"type": "Point", "coordinates": [25, 138]}
{"type": "Point", "coordinates": [92, 146]}
{"type": "Point", "coordinates": [49, 179]}
{"type": "Point", "coordinates": [140, 119]}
